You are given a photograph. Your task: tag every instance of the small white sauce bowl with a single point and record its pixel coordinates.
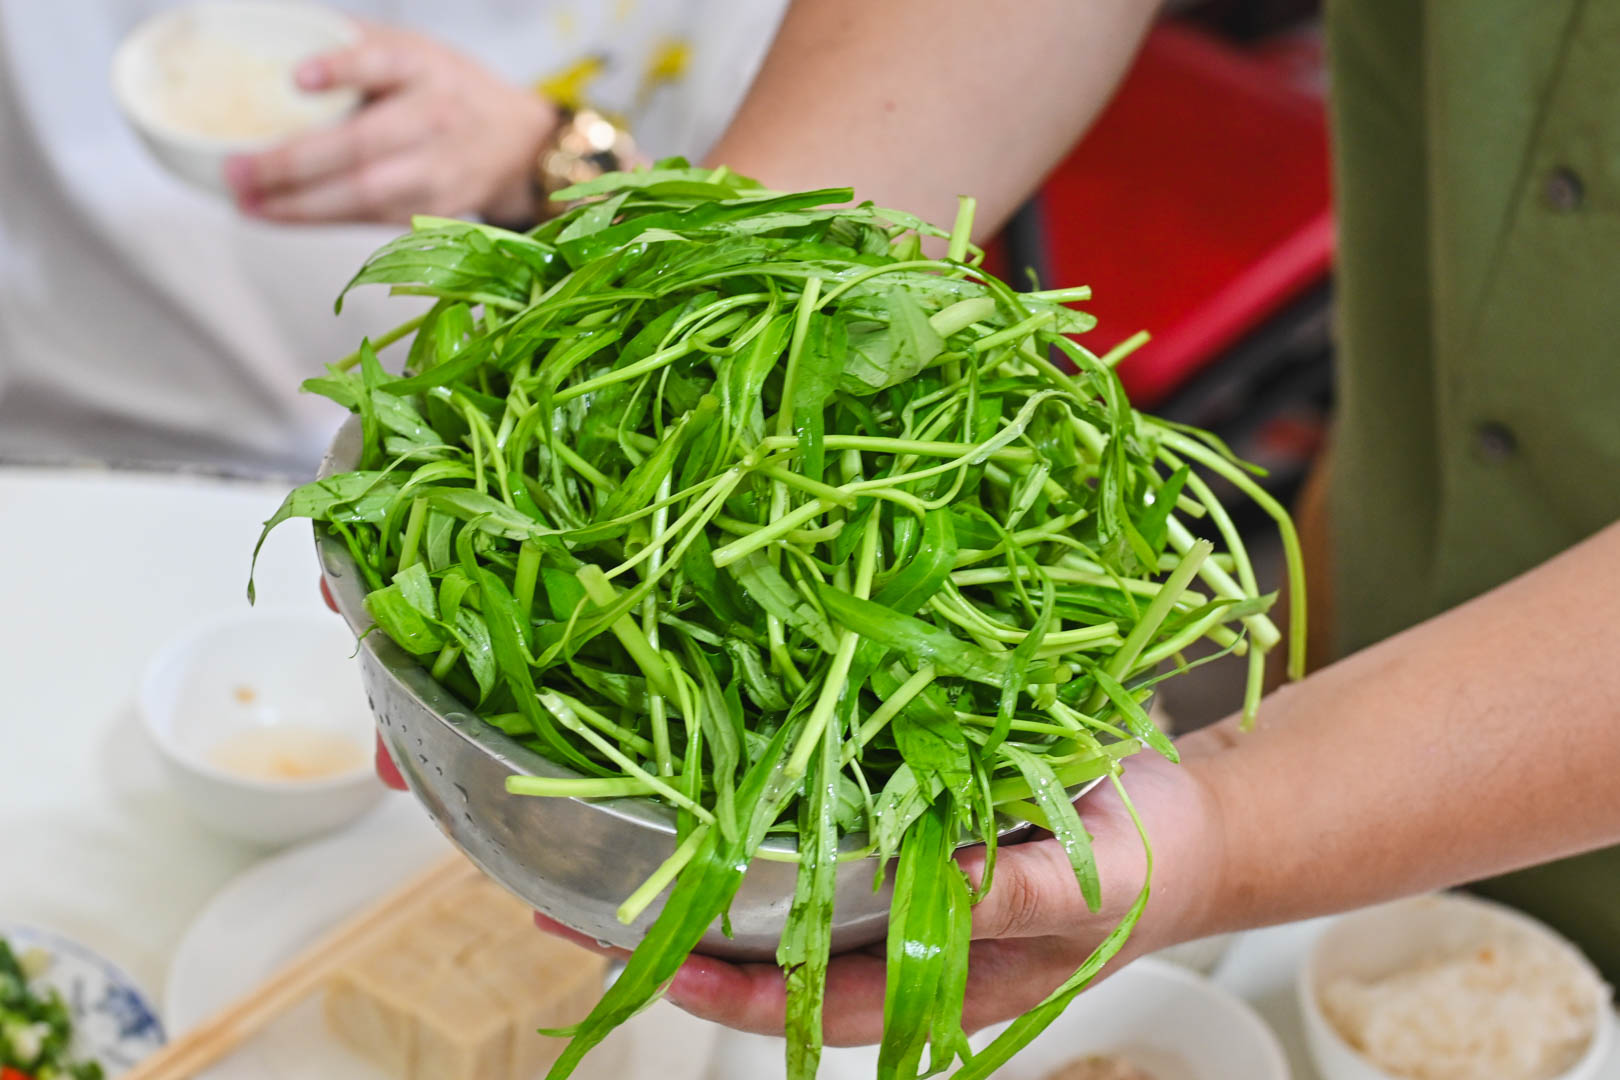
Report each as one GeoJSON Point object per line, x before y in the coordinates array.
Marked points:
{"type": "Point", "coordinates": [1382, 940]}
{"type": "Point", "coordinates": [244, 674]}
{"type": "Point", "coordinates": [282, 34]}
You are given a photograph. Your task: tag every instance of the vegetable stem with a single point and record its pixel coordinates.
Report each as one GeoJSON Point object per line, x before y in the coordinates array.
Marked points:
{"type": "Point", "coordinates": [962, 231]}
{"type": "Point", "coordinates": [382, 341]}
{"type": "Point", "coordinates": [413, 533]}
{"type": "Point", "coordinates": [1125, 659]}
{"type": "Point", "coordinates": [602, 593]}
{"type": "Point", "coordinates": [837, 680]}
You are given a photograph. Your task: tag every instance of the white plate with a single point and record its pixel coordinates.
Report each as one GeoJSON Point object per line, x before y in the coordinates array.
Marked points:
{"type": "Point", "coordinates": [113, 1023]}
{"type": "Point", "coordinates": [1170, 1021]}
{"type": "Point", "coordinates": [265, 916]}
{"type": "Point", "coordinates": [1174, 1023]}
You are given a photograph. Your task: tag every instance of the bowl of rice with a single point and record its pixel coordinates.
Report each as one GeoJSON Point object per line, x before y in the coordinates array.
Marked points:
{"type": "Point", "coordinates": [201, 82]}
{"type": "Point", "coordinates": [1452, 988]}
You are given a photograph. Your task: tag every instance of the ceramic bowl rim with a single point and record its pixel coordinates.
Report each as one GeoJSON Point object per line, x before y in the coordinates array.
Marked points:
{"type": "Point", "coordinates": [1598, 1048]}
{"type": "Point", "coordinates": [137, 110]}
{"type": "Point", "coordinates": [178, 649]}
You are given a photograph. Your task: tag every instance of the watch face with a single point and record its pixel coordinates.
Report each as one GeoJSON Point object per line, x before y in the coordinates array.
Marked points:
{"type": "Point", "coordinates": [584, 146]}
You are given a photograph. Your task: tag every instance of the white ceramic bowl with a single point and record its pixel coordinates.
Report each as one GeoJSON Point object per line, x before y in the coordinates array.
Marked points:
{"type": "Point", "coordinates": [260, 39]}
{"type": "Point", "coordinates": [281, 689]}
{"type": "Point", "coordinates": [1378, 941]}
{"type": "Point", "coordinates": [1203, 955]}
{"type": "Point", "coordinates": [1165, 1019]}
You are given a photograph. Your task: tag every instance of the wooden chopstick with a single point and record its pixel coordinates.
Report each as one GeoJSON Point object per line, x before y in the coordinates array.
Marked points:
{"type": "Point", "coordinates": [249, 1014]}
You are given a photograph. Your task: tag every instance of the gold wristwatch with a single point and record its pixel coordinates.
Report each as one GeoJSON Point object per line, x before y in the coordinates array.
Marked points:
{"type": "Point", "coordinates": [584, 145]}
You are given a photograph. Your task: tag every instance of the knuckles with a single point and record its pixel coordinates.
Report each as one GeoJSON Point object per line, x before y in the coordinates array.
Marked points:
{"type": "Point", "coordinates": [1013, 908]}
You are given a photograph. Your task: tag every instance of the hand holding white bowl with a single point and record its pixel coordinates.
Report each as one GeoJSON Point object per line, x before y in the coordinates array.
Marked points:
{"type": "Point", "coordinates": [438, 134]}
{"type": "Point", "coordinates": [203, 82]}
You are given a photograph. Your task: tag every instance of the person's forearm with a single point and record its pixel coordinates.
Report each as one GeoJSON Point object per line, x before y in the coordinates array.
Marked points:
{"type": "Point", "coordinates": [913, 102]}
{"type": "Point", "coordinates": [1481, 741]}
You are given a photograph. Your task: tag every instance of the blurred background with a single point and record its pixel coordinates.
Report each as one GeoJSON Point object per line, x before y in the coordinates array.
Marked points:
{"type": "Point", "coordinates": [148, 321]}
{"type": "Point", "coordinates": [176, 217]}
{"type": "Point", "coordinates": [1218, 240]}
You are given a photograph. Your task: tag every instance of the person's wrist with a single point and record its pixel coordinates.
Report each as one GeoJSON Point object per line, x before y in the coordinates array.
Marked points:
{"type": "Point", "coordinates": [1183, 819]}
{"type": "Point", "coordinates": [1212, 894]}
{"type": "Point", "coordinates": [516, 199]}
{"type": "Point", "coordinates": [1256, 862]}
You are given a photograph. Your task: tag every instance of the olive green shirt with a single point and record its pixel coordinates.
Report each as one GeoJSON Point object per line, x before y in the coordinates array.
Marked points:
{"type": "Point", "coordinates": [1478, 174]}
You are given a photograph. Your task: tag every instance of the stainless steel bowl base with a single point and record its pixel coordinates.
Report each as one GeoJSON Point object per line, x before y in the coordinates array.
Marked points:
{"type": "Point", "coordinates": [574, 860]}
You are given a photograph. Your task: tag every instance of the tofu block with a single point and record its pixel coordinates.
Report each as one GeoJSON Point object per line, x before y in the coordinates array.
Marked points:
{"type": "Point", "coordinates": [375, 1020]}
{"type": "Point", "coordinates": [443, 940]}
{"type": "Point", "coordinates": [541, 982]}
{"type": "Point", "coordinates": [376, 1015]}
{"type": "Point", "coordinates": [484, 908]}
{"type": "Point", "coordinates": [462, 1033]}
{"type": "Point", "coordinates": [458, 993]}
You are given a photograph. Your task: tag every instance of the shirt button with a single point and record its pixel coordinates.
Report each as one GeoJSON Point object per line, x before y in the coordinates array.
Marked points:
{"type": "Point", "coordinates": [1563, 191]}
{"type": "Point", "coordinates": [1495, 442]}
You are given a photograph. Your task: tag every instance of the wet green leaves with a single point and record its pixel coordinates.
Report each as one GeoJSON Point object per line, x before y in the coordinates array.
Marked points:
{"type": "Point", "coordinates": [731, 496]}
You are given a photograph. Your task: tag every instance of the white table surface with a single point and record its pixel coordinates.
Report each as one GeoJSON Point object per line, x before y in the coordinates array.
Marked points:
{"type": "Point", "coordinates": [97, 570]}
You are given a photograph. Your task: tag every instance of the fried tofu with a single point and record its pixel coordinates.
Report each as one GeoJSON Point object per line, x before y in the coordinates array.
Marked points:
{"type": "Point", "coordinates": [459, 993]}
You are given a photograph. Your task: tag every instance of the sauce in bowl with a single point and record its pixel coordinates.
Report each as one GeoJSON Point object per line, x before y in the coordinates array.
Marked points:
{"type": "Point", "coordinates": [287, 753]}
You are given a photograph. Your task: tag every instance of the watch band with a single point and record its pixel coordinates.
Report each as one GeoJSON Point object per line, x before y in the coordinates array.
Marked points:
{"type": "Point", "coordinates": [584, 145]}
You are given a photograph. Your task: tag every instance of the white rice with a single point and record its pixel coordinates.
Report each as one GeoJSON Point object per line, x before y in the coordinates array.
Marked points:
{"type": "Point", "coordinates": [212, 86]}
{"type": "Point", "coordinates": [1100, 1067]}
{"type": "Point", "coordinates": [1516, 1007]}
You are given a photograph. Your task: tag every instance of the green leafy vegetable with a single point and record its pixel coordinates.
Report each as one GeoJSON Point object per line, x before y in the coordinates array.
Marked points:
{"type": "Point", "coordinates": [734, 500]}
{"type": "Point", "coordinates": [36, 1028]}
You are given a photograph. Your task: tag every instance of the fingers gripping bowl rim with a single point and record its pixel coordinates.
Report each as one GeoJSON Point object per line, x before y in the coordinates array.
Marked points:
{"type": "Point", "coordinates": [572, 859]}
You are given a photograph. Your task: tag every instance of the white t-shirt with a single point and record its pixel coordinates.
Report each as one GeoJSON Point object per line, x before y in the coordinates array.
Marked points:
{"type": "Point", "coordinates": [144, 321]}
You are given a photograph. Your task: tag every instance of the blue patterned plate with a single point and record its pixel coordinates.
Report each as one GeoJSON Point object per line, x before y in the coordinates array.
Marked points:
{"type": "Point", "coordinates": [113, 1023]}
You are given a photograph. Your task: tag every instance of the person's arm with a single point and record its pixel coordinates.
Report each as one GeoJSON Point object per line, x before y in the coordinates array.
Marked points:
{"type": "Point", "coordinates": [1484, 740]}
{"type": "Point", "coordinates": [914, 102]}
{"type": "Point", "coordinates": [1481, 741]}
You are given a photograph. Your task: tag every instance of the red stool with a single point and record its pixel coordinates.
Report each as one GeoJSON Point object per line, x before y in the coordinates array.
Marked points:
{"type": "Point", "coordinates": [1197, 208]}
